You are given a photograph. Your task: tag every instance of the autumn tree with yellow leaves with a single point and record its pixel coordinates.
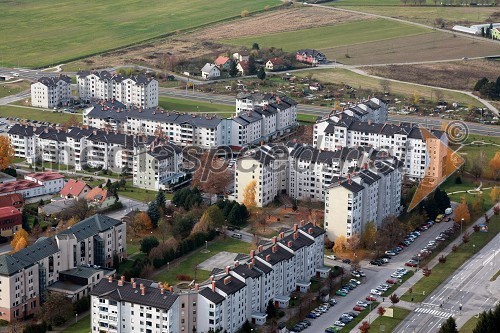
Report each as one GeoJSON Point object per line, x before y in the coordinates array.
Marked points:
{"type": "Point", "coordinates": [494, 166]}
{"type": "Point", "coordinates": [6, 152]}
{"type": "Point", "coordinates": [462, 212]}
{"type": "Point", "coordinates": [20, 240]}
{"type": "Point", "coordinates": [249, 194]}
{"type": "Point", "coordinates": [495, 194]}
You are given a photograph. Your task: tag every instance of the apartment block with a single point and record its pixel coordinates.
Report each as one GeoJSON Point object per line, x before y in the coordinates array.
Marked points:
{"type": "Point", "coordinates": [404, 141]}
{"type": "Point", "coordinates": [138, 90]}
{"type": "Point", "coordinates": [26, 275]}
{"type": "Point", "coordinates": [51, 92]}
{"type": "Point", "coordinates": [366, 196]}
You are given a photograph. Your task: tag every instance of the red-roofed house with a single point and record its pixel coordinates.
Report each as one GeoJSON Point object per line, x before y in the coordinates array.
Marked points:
{"type": "Point", "coordinates": [223, 62]}
{"type": "Point", "coordinates": [10, 220]}
{"type": "Point", "coordinates": [52, 182]}
{"type": "Point", "coordinates": [243, 67]}
{"type": "Point", "coordinates": [275, 64]}
{"type": "Point", "coordinates": [75, 189]}
{"type": "Point", "coordinates": [24, 187]}
{"type": "Point", "coordinates": [14, 199]}
{"type": "Point", "coordinates": [99, 197]}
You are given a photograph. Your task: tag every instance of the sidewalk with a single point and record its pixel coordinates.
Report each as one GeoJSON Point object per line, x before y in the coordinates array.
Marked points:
{"type": "Point", "coordinates": [403, 288]}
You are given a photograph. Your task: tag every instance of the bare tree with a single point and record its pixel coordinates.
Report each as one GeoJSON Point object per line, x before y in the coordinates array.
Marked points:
{"type": "Point", "coordinates": [385, 85]}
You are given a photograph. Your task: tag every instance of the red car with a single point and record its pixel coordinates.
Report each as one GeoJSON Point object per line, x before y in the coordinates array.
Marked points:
{"type": "Point", "coordinates": [370, 298]}
{"type": "Point", "coordinates": [358, 308]}
{"type": "Point", "coordinates": [391, 281]}
{"type": "Point", "coordinates": [410, 264]}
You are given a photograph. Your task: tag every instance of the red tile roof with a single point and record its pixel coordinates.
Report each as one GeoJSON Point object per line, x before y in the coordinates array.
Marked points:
{"type": "Point", "coordinates": [14, 199]}
{"type": "Point", "coordinates": [221, 60]}
{"type": "Point", "coordinates": [18, 185]}
{"type": "Point", "coordinates": [9, 211]}
{"type": "Point", "coordinates": [97, 194]}
{"type": "Point", "coordinates": [244, 64]}
{"type": "Point", "coordinates": [73, 188]}
{"type": "Point", "coordinates": [44, 176]}
{"type": "Point", "coordinates": [276, 61]}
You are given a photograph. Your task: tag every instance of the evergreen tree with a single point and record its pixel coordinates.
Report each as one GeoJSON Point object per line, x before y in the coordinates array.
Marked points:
{"type": "Point", "coordinates": [449, 326]}
{"type": "Point", "coordinates": [109, 184]}
{"type": "Point", "coordinates": [252, 68]}
{"type": "Point", "coordinates": [160, 201]}
{"type": "Point", "coordinates": [25, 222]}
{"type": "Point", "coordinates": [255, 46]}
{"type": "Point", "coordinates": [479, 84]}
{"type": "Point", "coordinates": [261, 74]}
{"type": "Point", "coordinates": [233, 70]}
{"type": "Point", "coordinates": [228, 207]}
{"type": "Point", "coordinates": [154, 213]}
{"type": "Point", "coordinates": [271, 310]}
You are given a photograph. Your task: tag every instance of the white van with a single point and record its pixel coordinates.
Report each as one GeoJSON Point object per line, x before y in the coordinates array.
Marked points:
{"type": "Point", "coordinates": [237, 236]}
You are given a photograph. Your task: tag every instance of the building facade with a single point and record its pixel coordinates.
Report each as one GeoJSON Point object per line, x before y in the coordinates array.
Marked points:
{"type": "Point", "coordinates": [10, 221]}
{"type": "Point", "coordinates": [50, 92]}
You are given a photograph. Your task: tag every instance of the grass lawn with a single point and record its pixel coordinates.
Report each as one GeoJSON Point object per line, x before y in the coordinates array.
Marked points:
{"type": "Point", "coordinates": [188, 266]}
{"type": "Point", "coordinates": [186, 105]}
{"type": "Point", "coordinates": [387, 323]}
{"type": "Point", "coordinates": [469, 326]}
{"type": "Point", "coordinates": [332, 36]}
{"type": "Point", "coordinates": [404, 90]}
{"type": "Point", "coordinates": [136, 193]}
{"type": "Point", "coordinates": [33, 114]}
{"type": "Point", "coordinates": [494, 277]}
{"type": "Point", "coordinates": [306, 118]}
{"type": "Point", "coordinates": [133, 247]}
{"type": "Point", "coordinates": [7, 89]}
{"type": "Point", "coordinates": [441, 272]}
{"type": "Point", "coordinates": [43, 32]}
{"type": "Point", "coordinates": [82, 326]}
{"type": "Point", "coordinates": [482, 153]}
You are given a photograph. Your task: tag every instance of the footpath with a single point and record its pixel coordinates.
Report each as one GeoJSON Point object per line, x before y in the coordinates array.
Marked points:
{"type": "Point", "coordinates": [405, 286]}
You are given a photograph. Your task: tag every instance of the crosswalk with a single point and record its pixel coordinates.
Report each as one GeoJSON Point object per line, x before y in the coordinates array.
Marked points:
{"type": "Point", "coordinates": [435, 312]}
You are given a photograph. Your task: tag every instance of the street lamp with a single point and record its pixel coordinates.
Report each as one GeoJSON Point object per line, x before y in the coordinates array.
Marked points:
{"type": "Point", "coordinates": [76, 318]}
{"type": "Point", "coordinates": [206, 245]}
{"type": "Point", "coordinates": [461, 224]}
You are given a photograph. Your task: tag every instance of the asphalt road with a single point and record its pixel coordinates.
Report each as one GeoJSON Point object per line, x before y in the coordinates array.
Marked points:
{"type": "Point", "coordinates": [469, 286]}
{"type": "Point", "coordinates": [375, 275]}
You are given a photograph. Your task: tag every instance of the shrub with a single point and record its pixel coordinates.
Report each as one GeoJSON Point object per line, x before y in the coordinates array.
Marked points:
{"type": "Point", "coordinates": [244, 13]}
{"type": "Point", "coordinates": [465, 238]}
{"type": "Point", "coordinates": [496, 210]}
{"type": "Point", "coordinates": [442, 259]}
{"type": "Point", "coordinates": [454, 248]}
{"type": "Point", "coordinates": [183, 277]}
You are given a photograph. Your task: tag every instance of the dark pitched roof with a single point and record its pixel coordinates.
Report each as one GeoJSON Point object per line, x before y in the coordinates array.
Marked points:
{"type": "Point", "coordinates": [352, 186]}
{"type": "Point", "coordinates": [245, 272]}
{"type": "Point", "coordinates": [164, 151]}
{"type": "Point", "coordinates": [152, 297]}
{"type": "Point", "coordinates": [53, 80]}
{"type": "Point", "coordinates": [263, 267]}
{"type": "Point", "coordinates": [22, 130]}
{"type": "Point", "coordinates": [275, 257]}
{"type": "Point", "coordinates": [298, 243]}
{"type": "Point", "coordinates": [91, 226]}
{"type": "Point", "coordinates": [231, 287]}
{"type": "Point", "coordinates": [211, 296]}
{"type": "Point", "coordinates": [316, 231]}
{"type": "Point", "coordinates": [368, 176]}
{"type": "Point", "coordinates": [105, 75]}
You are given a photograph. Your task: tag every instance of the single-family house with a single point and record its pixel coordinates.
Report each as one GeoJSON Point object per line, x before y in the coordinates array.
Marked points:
{"type": "Point", "coordinates": [10, 221]}
{"type": "Point", "coordinates": [75, 189]}
{"type": "Point", "coordinates": [309, 56]}
{"type": "Point", "coordinates": [242, 67]}
{"type": "Point", "coordinates": [241, 56]}
{"type": "Point", "coordinates": [275, 64]}
{"type": "Point", "coordinates": [99, 196]}
{"type": "Point", "coordinates": [210, 71]}
{"type": "Point", "coordinates": [224, 63]}
{"type": "Point", "coordinates": [495, 33]}
{"type": "Point", "coordinates": [13, 199]}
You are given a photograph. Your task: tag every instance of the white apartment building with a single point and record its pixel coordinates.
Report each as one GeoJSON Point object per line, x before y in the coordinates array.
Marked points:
{"type": "Point", "coordinates": [136, 306]}
{"type": "Point", "coordinates": [26, 274]}
{"type": "Point", "coordinates": [137, 90]}
{"type": "Point", "coordinates": [266, 167]}
{"type": "Point", "coordinates": [51, 92]}
{"type": "Point", "coordinates": [23, 141]}
{"type": "Point", "coordinates": [157, 167]}
{"type": "Point", "coordinates": [373, 110]}
{"type": "Point", "coordinates": [51, 182]}
{"type": "Point", "coordinates": [369, 195]}
{"type": "Point", "coordinates": [404, 141]}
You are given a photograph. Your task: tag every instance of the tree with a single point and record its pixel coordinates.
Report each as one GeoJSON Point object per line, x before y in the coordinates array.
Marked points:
{"type": "Point", "coordinates": [244, 13]}
{"type": "Point", "coordinates": [6, 152]}
{"type": "Point", "coordinates": [494, 166]}
{"type": "Point", "coordinates": [165, 228]}
{"type": "Point", "coordinates": [154, 213]}
{"type": "Point", "coordinates": [56, 310]}
{"type": "Point", "coordinates": [369, 235]}
{"type": "Point", "coordinates": [381, 310]}
{"type": "Point", "coordinates": [476, 170]}
{"type": "Point", "coordinates": [449, 326]}
{"type": "Point", "coordinates": [183, 225]}
{"type": "Point", "coordinates": [25, 222]}
{"type": "Point", "coordinates": [160, 202]}
{"type": "Point", "coordinates": [211, 219]}
{"type": "Point", "coordinates": [249, 194]}
{"type": "Point", "coordinates": [72, 221]}
{"type": "Point", "coordinates": [261, 74]}
{"type": "Point", "coordinates": [271, 310]}
{"type": "Point", "coordinates": [140, 223]}
{"type": "Point", "coordinates": [480, 84]}
{"type": "Point", "coordinates": [394, 299]}
{"type": "Point", "coordinates": [340, 246]}
{"type": "Point", "coordinates": [495, 194]}
{"type": "Point", "coordinates": [385, 85]}
{"type": "Point", "coordinates": [233, 69]}
{"type": "Point", "coordinates": [294, 206]}
{"type": "Point", "coordinates": [21, 236]}
{"type": "Point", "coordinates": [478, 204]}
{"type": "Point", "coordinates": [252, 68]}
{"type": "Point", "coordinates": [80, 210]}
{"type": "Point", "coordinates": [212, 175]}
{"type": "Point", "coordinates": [365, 327]}
{"type": "Point", "coordinates": [462, 212]}
{"type": "Point", "coordinates": [149, 243]}
{"type": "Point", "coordinates": [255, 46]}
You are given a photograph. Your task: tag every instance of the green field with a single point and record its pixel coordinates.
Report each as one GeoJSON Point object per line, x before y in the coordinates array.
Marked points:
{"type": "Point", "coordinates": [136, 193]}
{"type": "Point", "coordinates": [186, 105]}
{"type": "Point", "coordinates": [306, 118]}
{"type": "Point", "coordinates": [366, 3]}
{"type": "Point", "coordinates": [469, 325]}
{"type": "Point", "coordinates": [82, 326]}
{"type": "Point", "coordinates": [7, 89]}
{"type": "Point", "coordinates": [332, 36]}
{"type": "Point", "coordinates": [441, 272]}
{"type": "Point", "coordinates": [188, 266]}
{"type": "Point", "coordinates": [388, 323]}
{"type": "Point", "coordinates": [44, 32]}
{"type": "Point", "coordinates": [33, 114]}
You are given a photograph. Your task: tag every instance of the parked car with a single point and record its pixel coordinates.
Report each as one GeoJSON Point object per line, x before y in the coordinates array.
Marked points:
{"type": "Point", "coordinates": [332, 301]}
{"type": "Point", "coordinates": [362, 273]}
{"type": "Point", "coordinates": [411, 263]}
{"type": "Point", "coordinates": [341, 293]}
{"type": "Point", "coordinates": [362, 303]}
{"type": "Point", "coordinates": [339, 323]}
{"type": "Point", "coordinates": [375, 262]}
{"type": "Point", "coordinates": [370, 298]}
{"type": "Point", "coordinates": [331, 257]}
{"type": "Point", "coordinates": [346, 261]}
{"type": "Point", "coordinates": [355, 281]}
{"type": "Point", "coordinates": [355, 274]}
{"type": "Point", "coordinates": [312, 315]}
{"type": "Point", "coordinates": [390, 253]}
{"type": "Point", "coordinates": [391, 281]}
{"type": "Point", "coordinates": [376, 292]}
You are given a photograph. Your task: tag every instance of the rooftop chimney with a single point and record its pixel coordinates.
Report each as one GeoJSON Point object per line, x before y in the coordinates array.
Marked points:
{"type": "Point", "coordinates": [260, 248]}
{"type": "Point", "coordinates": [275, 248]}
{"type": "Point", "coordinates": [295, 235]}
{"type": "Point", "coordinates": [295, 227]}
{"type": "Point", "coordinates": [162, 291]}
{"type": "Point", "coordinates": [275, 239]}
{"type": "Point", "coordinates": [213, 286]}
{"type": "Point", "coordinates": [196, 286]}
{"type": "Point", "coordinates": [310, 231]}
{"type": "Point", "coordinates": [282, 235]}
{"type": "Point", "coordinates": [110, 279]}
{"type": "Point", "coordinates": [289, 244]}
{"type": "Point", "coordinates": [236, 263]}
{"type": "Point", "coordinates": [227, 280]}
{"type": "Point", "coordinates": [227, 269]}
{"type": "Point", "coordinates": [252, 253]}
{"type": "Point", "coordinates": [268, 257]}
{"type": "Point", "coordinates": [171, 289]}
{"type": "Point", "coordinates": [143, 290]}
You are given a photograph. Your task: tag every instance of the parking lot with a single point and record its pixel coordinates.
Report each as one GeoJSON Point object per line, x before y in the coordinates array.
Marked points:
{"type": "Point", "coordinates": [375, 276]}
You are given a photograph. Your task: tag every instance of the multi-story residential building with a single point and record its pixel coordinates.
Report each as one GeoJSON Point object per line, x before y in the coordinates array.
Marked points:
{"type": "Point", "coordinates": [404, 141]}
{"type": "Point", "coordinates": [310, 56]}
{"type": "Point", "coordinates": [51, 92]}
{"type": "Point", "coordinates": [23, 141]}
{"type": "Point", "coordinates": [366, 196]}
{"type": "Point", "coordinates": [51, 182]}
{"type": "Point", "coordinates": [157, 167]}
{"type": "Point", "coordinates": [137, 90]}
{"type": "Point", "coordinates": [266, 169]}
{"type": "Point", "coordinates": [136, 306]}
{"type": "Point", "coordinates": [26, 274]}
{"type": "Point", "coordinates": [10, 221]}
{"type": "Point", "coordinates": [373, 110]}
